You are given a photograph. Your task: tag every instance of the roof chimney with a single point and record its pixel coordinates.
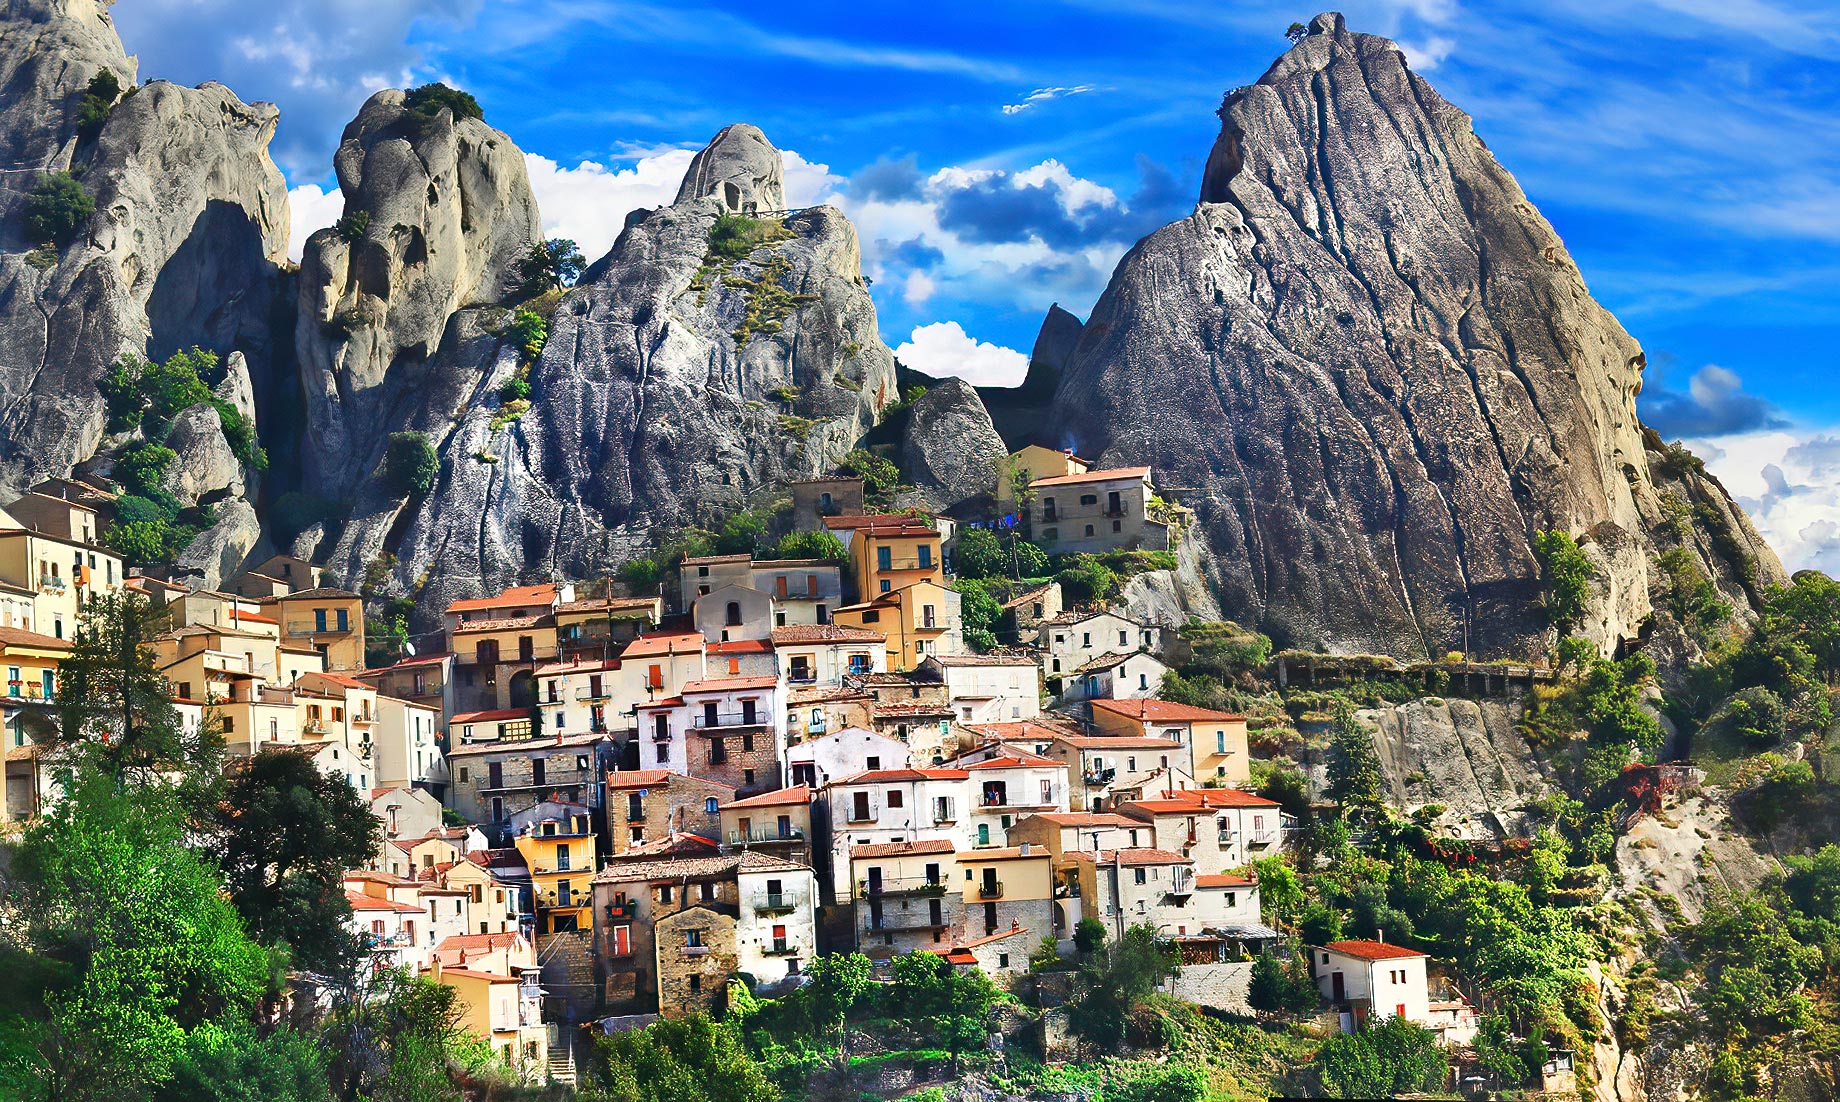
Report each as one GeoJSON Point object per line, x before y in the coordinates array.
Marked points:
{"type": "Point", "coordinates": [1380, 936]}
{"type": "Point", "coordinates": [1025, 849]}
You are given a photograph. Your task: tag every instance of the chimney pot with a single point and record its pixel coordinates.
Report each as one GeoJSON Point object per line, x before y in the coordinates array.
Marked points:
{"type": "Point", "coordinates": [1380, 936]}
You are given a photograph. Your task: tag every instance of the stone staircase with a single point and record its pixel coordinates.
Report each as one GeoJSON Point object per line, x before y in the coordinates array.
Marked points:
{"type": "Point", "coordinates": [562, 1064]}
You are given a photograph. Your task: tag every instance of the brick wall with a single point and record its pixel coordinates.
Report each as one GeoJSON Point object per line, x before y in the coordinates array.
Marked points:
{"type": "Point", "coordinates": [739, 763]}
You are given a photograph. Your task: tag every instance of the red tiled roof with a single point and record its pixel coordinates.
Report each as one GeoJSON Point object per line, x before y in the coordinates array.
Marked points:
{"type": "Point", "coordinates": [478, 941]}
{"type": "Point", "coordinates": [887, 776]}
{"type": "Point", "coordinates": [506, 624]}
{"type": "Point", "coordinates": [516, 595]}
{"type": "Point", "coordinates": [469, 974]}
{"type": "Point", "coordinates": [650, 646]}
{"type": "Point", "coordinates": [373, 903]}
{"type": "Point", "coordinates": [728, 684]}
{"type": "Point", "coordinates": [1224, 880]}
{"type": "Point", "coordinates": [1162, 711]}
{"type": "Point", "coordinates": [742, 646]}
{"type": "Point", "coordinates": [1091, 476]}
{"type": "Point", "coordinates": [661, 702]}
{"type": "Point", "coordinates": [1115, 742]}
{"type": "Point", "coordinates": [902, 849]}
{"type": "Point", "coordinates": [1086, 818]}
{"type": "Point", "coordinates": [1199, 799]}
{"type": "Point", "coordinates": [253, 618]}
{"type": "Point", "coordinates": [492, 716]}
{"type": "Point", "coordinates": [19, 637]}
{"type": "Point", "coordinates": [797, 794]}
{"type": "Point", "coordinates": [1016, 761]}
{"type": "Point", "coordinates": [1372, 950]}
{"type": "Point", "coordinates": [594, 665]}
{"type": "Point", "coordinates": [1130, 858]}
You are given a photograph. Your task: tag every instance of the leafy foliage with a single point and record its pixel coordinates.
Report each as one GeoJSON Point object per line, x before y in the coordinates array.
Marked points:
{"type": "Point", "coordinates": [98, 100]}
{"type": "Point", "coordinates": [429, 100]}
{"type": "Point", "coordinates": [1568, 575]}
{"type": "Point", "coordinates": [1127, 973]}
{"type": "Point", "coordinates": [1395, 1057]}
{"type": "Point", "coordinates": [821, 545]}
{"type": "Point", "coordinates": [57, 207]}
{"type": "Point", "coordinates": [410, 464]}
{"type": "Point", "coordinates": [1282, 985]}
{"type": "Point", "coordinates": [690, 1059]}
{"type": "Point", "coordinates": [979, 613]}
{"type": "Point", "coordinates": [530, 333]}
{"type": "Point", "coordinates": [734, 236]}
{"type": "Point", "coordinates": [548, 265]}
{"type": "Point", "coordinates": [1354, 767]}
{"type": "Point", "coordinates": [879, 474]}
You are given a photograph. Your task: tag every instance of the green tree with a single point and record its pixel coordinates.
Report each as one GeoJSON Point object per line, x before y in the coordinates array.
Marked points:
{"type": "Point", "coordinates": [1757, 716]}
{"type": "Point", "coordinates": [1319, 924]}
{"type": "Point", "coordinates": [879, 475]}
{"type": "Point", "coordinates": [530, 333]}
{"type": "Point", "coordinates": [1089, 936]}
{"type": "Point", "coordinates": [236, 1063]}
{"type": "Point", "coordinates": [979, 554]}
{"type": "Point", "coordinates": [115, 710]}
{"type": "Point", "coordinates": [285, 831]}
{"type": "Point", "coordinates": [810, 545]}
{"type": "Point", "coordinates": [1354, 767]}
{"type": "Point", "coordinates": [1567, 574]}
{"type": "Point", "coordinates": [144, 949]}
{"type": "Point", "coordinates": [1755, 970]}
{"type": "Point", "coordinates": [690, 1059]}
{"type": "Point", "coordinates": [1085, 579]}
{"type": "Point", "coordinates": [1497, 1054]}
{"type": "Point", "coordinates": [1128, 973]}
{"type": "Point", "coordinates": [98, 100]}
{"type": "Point", "coordinates": [1280, 889]}
{"type": "Point", "coordinates": [410, 464]}
{"type": "Point", "coordinates": [742, 533]}
{"type": "Point", "coordinates": [1282, 986]}
{"type": "Point", "coordinates": [837, 983]}
{"type": "Point", "coordinates": [1397, 1056]}
{"type": "Point", "coordinates": [57, 207]}
{"type": "Point", "coordinates": [399, 1038]}
{"type": "Point", "coordinates": [548, 265]}
{"type": "Point", "coordinates": [979, 613]}
{"type": "Point", "coordinates": [429, 100]}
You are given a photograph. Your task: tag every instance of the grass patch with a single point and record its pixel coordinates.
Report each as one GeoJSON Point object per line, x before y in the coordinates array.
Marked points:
{"type": "Point", "coordinates": [769, 303]}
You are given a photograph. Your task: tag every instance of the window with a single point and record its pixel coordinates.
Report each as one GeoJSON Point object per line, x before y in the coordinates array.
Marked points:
{"type": "Point", "coordinates": [1086, 639]}
{"type": "Point", "coordinates": [1089, 529]}
{"type": "Point", "coordinates": [693, 939]}
{"type": "Point", "coordinates": [884, 558]}
{"type": "Point", "coordinates": [1220, 742]}
{"type": "Point", "coordinates": [696, 985]}
{"type": "Point", "coordinates": [1124, 638]}
{"type": "Point", "coordinates": [710, 805]}
{"type": "Point", "coordinates": [708, 892]}
{"type": "Point", "coordinates": [581, 762]}
{"type": "Point", "coordinates": [734, 614]}
{"type": "Point", "coordinates": [1050, 534]}
{"type": "Point", "coordinates": [664, 894]}
{"type": "Point", "coordinates": [464, 774]}
{"type": "Point", "coordinates": [895, 797]}
{"type": "Point", "coordinates": [1139, 875]}
{"type": "Point", "coordinates": [926, 554]}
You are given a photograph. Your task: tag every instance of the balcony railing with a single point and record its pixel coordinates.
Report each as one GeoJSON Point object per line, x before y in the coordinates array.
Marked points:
{"type": "Point", "coordinates": [910, 885]}
{"type": "Point", "coordinates": [1099, 776]}
{"type": "Point", "coordinates": [780, 948]}
{"type": "Point", "coordinates": [696, 950]}
{"type": "Point", "coordinates": [1183, 884]}
{"type": "Point", "coordinates": [802, 675]}
{"type": "Point", "coordinates": [1261, 837]}
{"type": "Point", "coordinates": [906, 562]}
{"type": "Point", "coordinates": [661, 736]}
{"type": "Point", "coordinates": [591, 693]}
{"type": "Point", "coordinates": [898, 921]}
{"type": "Point", "coordinates": [314, 627]}
{"type": "Point", "coordinates": [622, 910]}
{"type": "Point", "coordinates": [32, 691]}
{"type": "Point", "coordinates": [861, 815]}
{"type": "Point", "coordinates": [775, 902]}
{"type": "Point", "coordinates": [729, 719]}
{"type": "Point", "coordinates": [759, 835]}
{"type": "Point", "coordinates": [47, 581]}
{"type": "Point", "coordinates": [990, 889]}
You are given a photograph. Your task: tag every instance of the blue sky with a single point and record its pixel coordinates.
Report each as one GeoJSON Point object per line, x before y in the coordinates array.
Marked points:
{"type": "Point", "coordinates": [998, 158]}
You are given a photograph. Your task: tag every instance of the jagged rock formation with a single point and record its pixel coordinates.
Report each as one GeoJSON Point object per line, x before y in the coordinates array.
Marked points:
{"type": "Point", "coordinates": [951, 449]}
{"type": "Point", "coordinates": [437, 211]}
{"type": "Point", "coordinates": [1020, 412]}
{"type": "Point", "coordinates": [184, 248]}
{"type": "Point", "coordinates": [673, 387]}
{"type": "Point", "coordinates": [1464, 755]}
{"type": "Point", "coordinates": [1377, 374]}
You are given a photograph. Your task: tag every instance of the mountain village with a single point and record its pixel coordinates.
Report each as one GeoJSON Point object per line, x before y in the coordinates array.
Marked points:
{"type": "Point", "coordinates": [599, 809]}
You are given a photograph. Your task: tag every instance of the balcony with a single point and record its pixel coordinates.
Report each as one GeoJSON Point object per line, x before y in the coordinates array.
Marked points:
{"type": "Point", "coordinates": [780, 948]}
{"type": "Point", "coordinates": [31, 692]}
{"type": "Point", "coordinates": [696, 950]}
{"type": "Point", "coordinates": [1120, 511]}
{"type": "Point", "coordinates": [1260, 838]}
{"type": "Point", "coordinates": [363, 720]}
{"type": "Point", "coordinates": [802, 675]}
{"type": "Point", "coordinates": [764, 835]}
{"type": "Point", "coordinates": [912, 885]}
{"type": "Point", "coordinates": [900, 922]}
{"type": "Point", "coordinates": [314, 627]}
{"type": "Point", "coordinates": [990, 889]}
{"type": "Point", "coordinates": [622, 910]}
{"type": "Point", "coordinates": [768, 903]}
{"type": "Point", "coordinates": [1098, 777]}
{"type": "Point", "coordinates": [661, 736]}
{"type": "Point", "coordinates": [51, 582]}
{"type": "Point", "coordinates": [709, 721]}
{"type": "Point", "coordinates": [907, 562]}
{"type": "Point", "coordinates": [592, 694]}
{"type": "Point", "coordinates": [861, 815]}
{"type": "Point", "coordinates": [945, 813]}
{"type": "Point", "coordinates": [1183, 885]}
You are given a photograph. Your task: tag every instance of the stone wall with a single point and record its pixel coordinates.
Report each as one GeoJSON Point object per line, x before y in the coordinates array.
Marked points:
{"type": "Point", "coordinates": [749, 771]}
{"type": "Point", "coordinates": [571, 993]}
{"type": "Point", "coordinates": [1221, 986]}
{"type": "Point", "coordinates": [688, 979]}
{"type": "Point", "coordinates": [471, 799]}
{"type": "Point", "coordinates": [680, 805]}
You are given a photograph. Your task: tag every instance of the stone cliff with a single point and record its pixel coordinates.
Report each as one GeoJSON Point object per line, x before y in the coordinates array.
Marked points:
{"type": "Point", "coordinates": [1375, 373]}
{"type": "Point", "coordinates": [675, 384]}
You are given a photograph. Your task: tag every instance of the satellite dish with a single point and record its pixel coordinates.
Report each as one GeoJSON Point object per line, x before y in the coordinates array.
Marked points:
{"type": "Point", "coordinates": [408, 648]}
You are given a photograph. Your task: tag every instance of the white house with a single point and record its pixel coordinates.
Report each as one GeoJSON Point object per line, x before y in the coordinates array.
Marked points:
{"type": "Point", "coordinates": [895, 805]}
{"type": "Point", "coordinates": [1220, 828]}
{"type": "Point", "coordinates": [1116, 677]}
{"type": "Point", "coordinates": [804, 591]}
{"type": "Point", "coordinates": [1369, 979]}
{"type": "Point", "coordinates": [733, 612]}
{"type": "Point", "coordinates": [584, 696]}
{"type": "Point", "coordinates": [778, 931]}
{"type": "Point", "coordinates": [1009, 787]}
{"type": "Point", "coordinates": [823, 654]}
{"type": "Point", "coordinates": [987, 688]}
{"type": "Point", "coordinates": [846, 753]}
{"type": "Point", "coordinates": [1073, 639]}
{"type": "Point", "coordinates": [406, 752]}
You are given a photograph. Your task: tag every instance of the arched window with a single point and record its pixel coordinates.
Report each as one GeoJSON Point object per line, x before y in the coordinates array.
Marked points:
{"type": "Point", "coordinates": [734, 613]}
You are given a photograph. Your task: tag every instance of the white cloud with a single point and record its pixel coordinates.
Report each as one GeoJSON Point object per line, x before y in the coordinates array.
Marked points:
{"type": "Point", "coordinates": [1043, 95]}
{"type": "Point", "coordinates": [1430, 53]}
{"type": "Point", "coordinates": [1789, 483]}
{"type": "Point", "coordinates": [310, 208]}
{"type": "Point", "coordinates": [589, 203]}
{"type": "Point", "coordinates": [917, 288]}
{"type": "Point", "coordinates": [944, 348]}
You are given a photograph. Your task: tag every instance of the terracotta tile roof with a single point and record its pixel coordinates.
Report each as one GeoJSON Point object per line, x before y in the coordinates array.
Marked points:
{"type": "Point", "coordinates": [421, 661]}
{"type": "Point", "coordinates": [785, 797]}
{"type": "Point", "coordinates": [317, 593]}
{"type": "Point", "coordinates": [1012, 659]}
{"type": "Point", "coordinates": [544, 593]}
{"type": "Point", "coordinates": [1023, 729]}
{"type": "Point", "coordinates": [511, 623]}
{"type": "Point", "coordinates": [914, 708]}
{"type": "Point", "coordinates": [1091, 476]}
{"type": "Point", "coordinates": [1086, 819]}
{"type": "Point", "coordinates": [870, 520]}
{"type": "Point", "coordinates": [1003, 853]}
{"type": "Point", "coordinates": [824, 633]}
{"type": "Point", "coordinates": [595, 665]}
{"type": "Point", "coordinates": [651, 778]}
{"type": "Point", "coordinates": [1224, 880]}
{"type": "Point", "coordinates": [742, 646]}
{"type": "Point", "coordinates": [479, 941]}
{"type": "Point", "coordinates": [373, 903]}
{"type": "Point", "coordinates": [661, 702]}
{"type": "Point", "coordinates": [1110, 661]}
{"type": "Point", "coordinates": [609, 604]}
{"type": "Point", "coordinates": [1195, 800]}
{"type": "Point", "coordinates": [1132, 858]}
{"type": "Point", "coordinates": [339, 679]}
{"type": "Point", "coordinates": [901, 849]}
{"type": "Point", "coordinates": [898, 776]}
{"type": "Point", "coordinates": [1162, 711]}
{"type": "Point", "coordinates": [822, 696]}
{"type": "Point", "coordinates": [1017, 761]}
{"type": "Point", "coordinates": [527, 745]}
{"type": "Point", "coordinates": [1027, 595]}
{"type": "Point", "coordinates": [492, 716]}
{"type": "Point", "coordinates": [728, 684]}
{"type": "Point", "coordinates": [1116, 742]}
{"type": "Point", "coordinates": [19, 637]}
{"type": "Point", "coordinates": [652, 646]}
{"type": "Point", "coordinates": [1372, 950]}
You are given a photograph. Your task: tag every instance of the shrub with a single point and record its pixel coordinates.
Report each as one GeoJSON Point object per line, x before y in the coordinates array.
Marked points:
{"type": "Point", "coordinates": [1567, 574]}
{"type": "Point", "coordinates": [548, 265]}
{"type": "Point", "coordinates": [734, 236]}
{"type": "Point", "coordinates": [141, 466]}
{"type": "Point", "coordinates": [410, 464]}
{"type": "Point", "coordinates": [1086, 580]}
{"type": "Point", "coordinates": [514, 390]}
{"type": "Point", "coordinates": [530, 332]}
{"type": "Point", "coordinates": [352, 226]}
{"type": "Point", "coordinates": [1757, 716]}
{"type": "Point", "coordinates": [428, 100]}
{"type": "Point", "coordinates": [138, 542]}
{"type": "Point", "coordinates": [98, 100]}
{"type": "Point", "coordinates": [810, 545]}
{"type": "Point", "coordinates": [1395, 1057]}
{"type": "Point", "coordinates": [879, 475]}
{"type": "Point", "coordinates": [57, 207]}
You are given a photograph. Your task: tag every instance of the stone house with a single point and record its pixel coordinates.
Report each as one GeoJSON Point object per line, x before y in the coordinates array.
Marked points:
{"type": "Point", "coordinates": [824, 654]}
{"type": "Point", "coordinates": [1116, 677]}
{"type": "Point", "coordinates": [1072, 639]}
{"type": "Point", "coordinates": [651, 805]}
{"type": "Point", "coordinates": [811, 712]}
{"type": "Point", "coordinates": [1012, 886]}
{"type": "Point", "coordinates": [1096, 511]}
{"type": "Point", "coordinates": [427, 680]}
{"type": "Point", "coordinates": [1221, 829]}
{"type": "Point", "coordinates": [987, 688]}
{"type": "Point", "coordinates": [854, 750]}
{"type": "Point", "coordinates": [813, 499]}
{"type": "Point", "coordinates": [733, 612]}
{"type": "Point", "coordinates": [777, 823]}
{"type": "Point", "coordinates": [906, 895]}
{"type": "Point", "coordinates": [491, 781]}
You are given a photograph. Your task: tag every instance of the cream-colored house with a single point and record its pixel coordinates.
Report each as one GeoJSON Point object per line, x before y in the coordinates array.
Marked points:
{"type": "Point", "coordinates": [1216, 741]}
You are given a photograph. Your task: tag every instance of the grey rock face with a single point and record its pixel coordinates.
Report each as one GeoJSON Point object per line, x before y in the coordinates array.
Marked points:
{"type": "Point", "coordinates": [1463, 754]}
{"type": "Point", "coordinates": [1054, 343]}
{"type": "Point", "coordinates": [447, 211]}
{"type": "Point", "coordinates": [219, 551]}
{"type": "Point", "coordinates": [738, 168]}
{"type": "Point", "coordinates": [1376, 373]}
{"type": "Point", "coordinates": [952, 450]}
{"type": "Point", "coordinates": [190, 226]}
{"type": "Point", "coordinates": [206, 467]}
{"type": "Point", "coordinates": [647, 411]}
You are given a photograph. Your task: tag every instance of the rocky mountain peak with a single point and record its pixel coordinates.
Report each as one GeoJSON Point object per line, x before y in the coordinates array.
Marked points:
{"type": "Point", "coordinates": [741, 168]}
{"type": "Point", "coordinates": [1372, 368]}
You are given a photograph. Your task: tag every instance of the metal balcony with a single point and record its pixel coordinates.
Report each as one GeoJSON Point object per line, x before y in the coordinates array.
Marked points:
{"type": "Point", "coordinates": [706, 721]}
{"type": "Point", "coordinates": [776, 903]}
{"type": "Point", "coordinates": [990, 889]}
{"type": "Point", "coordinates": [911, 885]}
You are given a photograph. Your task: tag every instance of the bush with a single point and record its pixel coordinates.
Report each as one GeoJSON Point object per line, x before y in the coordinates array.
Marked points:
{"type": "Point", "coordinates": [978, 612]}
{"type": "Point", "coordinates": [138, 542]}
{"type": "Point", "coordinates": [428, 100]}
{"type": "Point", "coordinates": [547, 265]}
{"type": "Point", "coordinates": [809, 545]}
{"type": "Point", "coordinates": [1395, 1057]}
{"type": "Point", "coordinates": [410, 464]}
{"type": "Point", "coordinates": [1567, 573]}
{"type": "Point", "coordinates": [514, 390]}
{"type": "Point", "coordinates": [57, 207]}
{"type": "Point", "coordinates": [1757, 716]}
{"type": "Point", "coordinates": [879, 475]}
{"type": "Point", "coordinates": [140, 468]}
{"type": "Point", "coordinates": [1086, 580]}
{"type": "Point", "coordinates": [98, 100]}
{"type": "Point", "coordinates": [352, 226]}
{"type": "Point", "coordinates": [734, 236]}
{"type": "Point", "coordinates": [530, 333]}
